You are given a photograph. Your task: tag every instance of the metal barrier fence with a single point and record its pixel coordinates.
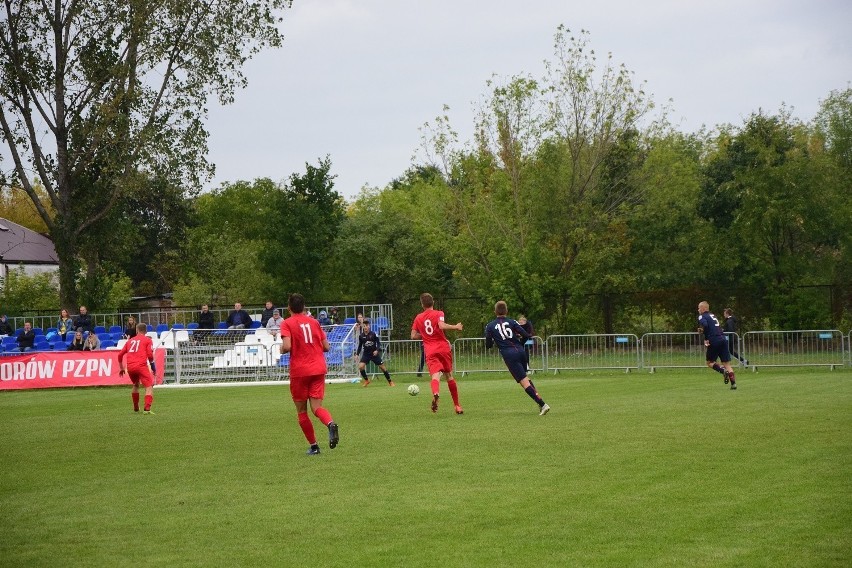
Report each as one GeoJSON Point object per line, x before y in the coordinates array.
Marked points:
{"type": "Point", "coordinates": [681, 350]}
{"type": "Point", "coordinates": [795, 348]}
{"type": "Point", "coordinates": [215, 356]}
{"type": "Point", "coordinates": [596, 351]}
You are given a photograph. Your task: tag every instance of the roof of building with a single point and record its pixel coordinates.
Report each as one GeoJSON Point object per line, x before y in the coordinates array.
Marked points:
{"type": "Point", "coordinates": [21, 245]}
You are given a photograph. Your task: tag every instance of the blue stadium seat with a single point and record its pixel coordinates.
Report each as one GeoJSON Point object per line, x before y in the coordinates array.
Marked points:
{"type": "Point", "coordinates": [60, 346]}
{"type": "Point", "coordinates": [284, 360]}
{"type": "Point", "coordinates": [48, 330]}
{"type": "Point", "coordinates": [162, 328]}
{"type": "Point", "coordinates": [103, 336]}
{"type": "Point", "coordinates": [255, 325]}
{"type": "Point", "coordinates": [193, 325]}
{"type": "Point", "coordinates": [38, 331]}
{"type": "Point", "coordinates": [41, 346]}
{"type": "Point", "coordinates": [116, 336]}
{"type": "Point", "coordinates": [222, 325]}
{"type": "Point", "coordinates": [380, 323]}
{"type": "Point", "coordinates": [115, 329]}
{"type": "Point", "coordinates": [99, 329]}
{"type": "Point", "coordinates": [178, 326]}
{"type": "Point", "coordinates": [150, 327]}
{"type": "Point", "coordinates": [349, 321]}
{"type": "Point", "coordinates": [107, 343]}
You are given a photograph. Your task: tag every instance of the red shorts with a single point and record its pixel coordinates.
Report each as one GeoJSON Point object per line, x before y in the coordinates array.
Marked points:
{"type": "Point", "coordinates": [303, 388]}
{"type": "Point", "coordinates": [440, 362]}
{"type": "Point", "coordinates": [141, 375]}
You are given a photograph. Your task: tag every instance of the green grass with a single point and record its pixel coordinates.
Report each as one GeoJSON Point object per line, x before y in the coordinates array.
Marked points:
{"type": "Point", "coordinates": [664, 469]}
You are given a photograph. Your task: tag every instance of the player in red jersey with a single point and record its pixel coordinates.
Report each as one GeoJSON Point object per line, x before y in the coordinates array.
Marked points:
{"type": "Point", "coordinates": [429, 326]}
{"type": "Point", "coordinates": [139, 351]}
{"type": "Point", "coordinates": [306, 342]}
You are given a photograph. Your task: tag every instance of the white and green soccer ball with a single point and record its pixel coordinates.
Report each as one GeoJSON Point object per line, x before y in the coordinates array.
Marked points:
{"type": "Point", "coordinates": [413, 390]}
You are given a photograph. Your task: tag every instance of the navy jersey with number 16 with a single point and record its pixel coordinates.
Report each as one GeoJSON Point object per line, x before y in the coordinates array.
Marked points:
{"type": "Point", "coordinates": [507, 334]}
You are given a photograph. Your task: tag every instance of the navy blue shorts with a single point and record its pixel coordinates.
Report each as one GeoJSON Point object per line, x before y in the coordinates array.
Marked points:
{"type": "Point", "coordinates": [366, 358]}
{"type": "Point", "coordinates": [517, 365]}
{"type": "Point", "coordinates": [719, 349]}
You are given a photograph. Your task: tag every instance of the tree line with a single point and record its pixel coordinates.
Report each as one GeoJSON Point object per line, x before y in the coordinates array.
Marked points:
{"type": "Point", "coordinates": [576, 201]}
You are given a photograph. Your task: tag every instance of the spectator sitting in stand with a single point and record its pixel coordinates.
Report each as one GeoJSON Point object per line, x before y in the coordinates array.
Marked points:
{"type": "Point", "coordinates": [323, 318]}
{"type": "Point", "coordinates": [130, 328]}
{"type": "Point", "coordinates": [64, 325]}
{"type": "Point", "coordinates": [5, 326]}
{"type": "Point", "coordinates": [205, 318]}
{"type": "Point", "coordinates": [334, 317]}
{"type": "Point", "coordinates": [93, 343]}
{"type": "Point", "coordinates": [27, 337]}
{"type": "Point", "coordinates": [84, 320]}
{"type": "Point", "coordinates": [274, 323]}
{"type": "Point", "coordinates": [266, 313]}
{"type": "Point", "coordinates": [79, 343]}
{"type": "Point", "coordinates": [239, 318]}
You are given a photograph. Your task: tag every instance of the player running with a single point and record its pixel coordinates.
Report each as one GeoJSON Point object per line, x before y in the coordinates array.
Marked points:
{"type": "Point", "coordinates": [305, 341]}
{"type": "Point", "coordinates": [139, 352]}
{"type": "Point", "coordinates": [429, 326]}
{"type": "Point", "coordinates": [717, 345]}
{"type": "Point", "coordinates": [370, 349]}
{"type": "Point", "coordinates": [510, 338]}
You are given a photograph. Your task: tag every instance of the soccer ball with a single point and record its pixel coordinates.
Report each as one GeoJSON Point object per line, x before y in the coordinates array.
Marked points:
{"type": "Point", "coordinates": [413, 390]}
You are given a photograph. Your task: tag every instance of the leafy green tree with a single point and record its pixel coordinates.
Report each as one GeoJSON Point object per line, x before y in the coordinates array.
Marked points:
{"type": "Point", "coordinates": [98, 96]}
{"type": "Point", "coordinates": [21, 292]}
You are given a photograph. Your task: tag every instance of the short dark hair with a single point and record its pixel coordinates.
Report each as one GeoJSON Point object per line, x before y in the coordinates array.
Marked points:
{"type": "Point", "coordinates": [426, 300]}
{"type": "Point", "coordinates": [500, 308]}
{"type": "Point", "coordinates": [296, 303]}
{"type": "Point", "coordinates": [366, 320]}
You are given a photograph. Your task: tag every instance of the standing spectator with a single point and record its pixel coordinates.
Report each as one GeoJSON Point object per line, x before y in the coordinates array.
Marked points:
{"type": "Point", "coordinates": [26, 339]}
{"type": "Point", "coordinates": [323, 318]}
{"type": "Point", "coordinates": [239, 318]}
{"type": "Point", "coordinates": [274, 323]}
{"type": "Point", "coordinates": [529, 343]}
{"type": "Point", "coordinates": [429, 326]}
{"type": "Point", "coordinates": [93, 343]}
{"type": "Point", "coordinates": [205, 318]}
{"type": "Point", "coordinates": [79, 343]}
{"type": "Point", "coordinates": [334, 317]}
{"type": "Point", "coordinates": [130, 328]}
{"type": "Point", "coordinates": [139, 352]}
{"type": "Point", "coordinates": [84, 320]}
{"type": "Point", "coordinates": [5, 327]}
{"type": "Point", "coordinates": [266, 314]}
{"type": "Point", "coordinates": [304, 339]}
{"type": "Point", "coordinates": [716, 344]}
{"type": "Point", "coordinates": [370, 349]}
{"type": "Point", "coordinates": [510, 336]}
{"type": "Point", "coordinates": [64, 325]}
{"type": "Point", "coordinates": [730, 326]}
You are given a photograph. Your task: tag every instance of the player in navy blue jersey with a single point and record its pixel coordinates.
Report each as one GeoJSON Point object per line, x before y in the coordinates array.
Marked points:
{"type": "Point", "coordinates": [509, 337]}
{"type": "Point", "coordinates": [717, 345]}
{"type": "Point", "coordinates": [370, 349]}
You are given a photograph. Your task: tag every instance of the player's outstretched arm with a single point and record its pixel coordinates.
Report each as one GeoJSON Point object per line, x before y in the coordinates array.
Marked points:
{"type": "Point", "coordinates": [444, 325]}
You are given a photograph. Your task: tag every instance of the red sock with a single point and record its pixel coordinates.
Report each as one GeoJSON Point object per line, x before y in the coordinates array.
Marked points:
{"type": "Point", "coordinates": [135, 397]}
{"type": "Point", "coordinates": [323, 415]}
{"type": "Point", "coordinates": [436, 386]}
{"type": "Point", "coordinates": [149, 400]}
{"type": "Point", "coordinates": [454, 391]}
{"type": "Point", "coordinates": [307, 427]}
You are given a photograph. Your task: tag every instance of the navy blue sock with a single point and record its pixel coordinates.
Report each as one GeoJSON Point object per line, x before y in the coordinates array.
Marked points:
{"type": "Point", "coordinates": [387, 376]}
{"type": "Point", "coordinates": [364, 374]}
{"type": "Point", "coordinates": [530, 390]}
{"type": "Point", "coordinates": [718, 369]}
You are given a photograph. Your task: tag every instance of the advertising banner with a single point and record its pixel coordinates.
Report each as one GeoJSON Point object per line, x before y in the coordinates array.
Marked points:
{"type": "Point", "coordinates": [38, 370]}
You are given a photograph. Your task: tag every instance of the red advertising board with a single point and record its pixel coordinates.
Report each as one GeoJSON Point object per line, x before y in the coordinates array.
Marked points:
{"type": "Point", "coordinates": [38, 370]}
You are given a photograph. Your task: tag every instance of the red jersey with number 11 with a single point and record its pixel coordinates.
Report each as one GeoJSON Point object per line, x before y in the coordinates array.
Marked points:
{"type": "Point", "coordinates": [426, 324]}
{"type": "Point", "coordinates": [307, 357]}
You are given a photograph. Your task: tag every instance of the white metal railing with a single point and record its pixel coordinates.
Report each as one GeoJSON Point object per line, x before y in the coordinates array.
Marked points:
{"type": "Point", "coordinates": [594, 351]}
{"type": "Point", "coordinates": [795, 348]}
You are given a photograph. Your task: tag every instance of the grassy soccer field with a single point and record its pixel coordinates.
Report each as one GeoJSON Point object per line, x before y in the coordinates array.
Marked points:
{"type": "Point", "coordinates": [670, 469]}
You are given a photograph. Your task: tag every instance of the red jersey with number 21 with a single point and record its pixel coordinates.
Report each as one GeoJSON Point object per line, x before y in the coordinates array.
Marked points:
{"type": "Point", "coordinates": [426, 324]}
{"type": "Point", "coordinates": [139, 349]}
{"type": "Point", "coordinates": [307, 357]}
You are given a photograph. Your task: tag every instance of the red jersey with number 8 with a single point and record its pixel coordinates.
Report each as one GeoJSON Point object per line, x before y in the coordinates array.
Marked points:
{"type": "Point", "coordinates": [307, 357]}
{"type": "Point", "coordinates": [426, 324]}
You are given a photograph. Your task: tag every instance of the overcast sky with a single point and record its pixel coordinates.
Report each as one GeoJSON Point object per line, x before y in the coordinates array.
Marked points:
{"type": "Point", "coordinates": [356, 79]}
